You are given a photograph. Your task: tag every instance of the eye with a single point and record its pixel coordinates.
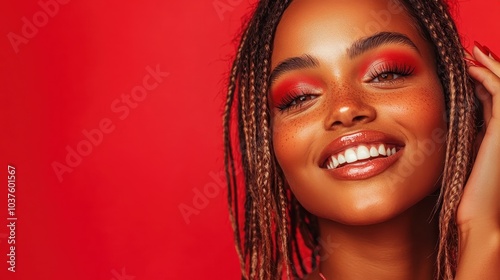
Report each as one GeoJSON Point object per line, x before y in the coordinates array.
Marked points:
{"type": "Point", "coordinates": [387, 73]}
{"type": "Point", "coordinates": [295, 101]}
{"type": "Point", "coordinates": [384, 77]}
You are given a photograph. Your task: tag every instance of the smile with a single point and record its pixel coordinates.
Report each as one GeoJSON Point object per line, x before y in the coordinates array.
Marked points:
{"type": "Point", "coordinates": [360, 153]}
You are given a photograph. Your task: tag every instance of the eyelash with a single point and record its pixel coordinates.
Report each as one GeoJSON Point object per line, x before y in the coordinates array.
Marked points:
{"type": "Point", "coordinates": [402, 70]}
{"type": "Point", "coordinates": [294, 96]}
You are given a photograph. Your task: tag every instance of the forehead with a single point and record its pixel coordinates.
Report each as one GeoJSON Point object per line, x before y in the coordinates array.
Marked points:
{"type": "Point", "coordinates": [318, 27]}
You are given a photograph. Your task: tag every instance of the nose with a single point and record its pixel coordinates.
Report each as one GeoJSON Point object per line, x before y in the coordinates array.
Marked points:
{"type": "Point", "coordinates": [349, 109]}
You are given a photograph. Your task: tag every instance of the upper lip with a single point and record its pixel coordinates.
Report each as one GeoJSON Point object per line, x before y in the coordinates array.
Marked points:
{"type": "Point", "coordinates": [357, 138]}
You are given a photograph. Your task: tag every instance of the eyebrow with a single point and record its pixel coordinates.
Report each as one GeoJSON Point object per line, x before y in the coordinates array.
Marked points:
{"type": "Point", "coordinates": [293, 63]}
{"type": "Point", "coordinates": [359, 47]}
{"type": "Point", "coordinates": [382, 38]}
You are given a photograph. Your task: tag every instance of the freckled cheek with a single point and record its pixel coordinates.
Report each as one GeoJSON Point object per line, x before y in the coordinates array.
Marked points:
{"type": "Point", "coordinates": [424, 111]}
{"type": "Point", "coordinates": [292, 141]}
{"type": "Point", "coordinates": [284, 140]}
{"type": "Point", "coordinates": [432, 108]}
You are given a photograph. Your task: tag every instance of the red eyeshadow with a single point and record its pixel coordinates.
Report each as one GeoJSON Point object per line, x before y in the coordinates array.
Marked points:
{"type": "Point", "coordinates": [388, 56]}
{"type": "Point", "coordinates": [283, 88]}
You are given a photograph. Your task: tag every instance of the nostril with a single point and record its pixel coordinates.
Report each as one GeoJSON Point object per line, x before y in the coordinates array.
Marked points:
{"type": "Point", "coordinates": [359, 118]}
{"type": "Point", "coordinates": [337, 123]}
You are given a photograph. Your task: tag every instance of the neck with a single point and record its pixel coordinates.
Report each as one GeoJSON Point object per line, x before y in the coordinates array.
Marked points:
{"type": "Point", "coordinates": [401, 248]}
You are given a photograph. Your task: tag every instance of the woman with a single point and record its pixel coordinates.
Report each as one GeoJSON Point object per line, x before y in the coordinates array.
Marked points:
{"type": "Point", "coordinates": [361, 136]}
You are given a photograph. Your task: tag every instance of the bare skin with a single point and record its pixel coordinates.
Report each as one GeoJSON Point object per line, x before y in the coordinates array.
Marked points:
{"type": "Point", "coordinates": [378, 223]}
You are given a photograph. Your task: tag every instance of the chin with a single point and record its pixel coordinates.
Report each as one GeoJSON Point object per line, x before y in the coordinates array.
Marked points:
{"type": "Point", "coordinates": [366, 215]}
{"type": "Point", "coordinates": [366, 212]}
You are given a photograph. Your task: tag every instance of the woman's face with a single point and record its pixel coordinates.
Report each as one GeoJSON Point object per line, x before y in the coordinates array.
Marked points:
{"type": "Point", "coordinates": [358, 112]}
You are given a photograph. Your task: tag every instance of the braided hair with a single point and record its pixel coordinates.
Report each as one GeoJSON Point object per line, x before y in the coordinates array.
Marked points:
{"type": "Point", "coordinates": [274, 235]}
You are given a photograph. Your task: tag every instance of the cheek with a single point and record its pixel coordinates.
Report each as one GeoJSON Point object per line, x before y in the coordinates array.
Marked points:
{"type": "Point", "coordinates": [294, 141]}
{"type": "Point", "coordinates": [420, 110]}
{"type": "Point", "coordinates": [289, 141]}
{"type": "Point", "coordinates": [425, 112]}
{"type": "Point", "coordinates": [423, 117]}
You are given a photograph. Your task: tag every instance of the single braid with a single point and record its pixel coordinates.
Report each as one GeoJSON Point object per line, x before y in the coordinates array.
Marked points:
{"type": "Point", "coordinates": [283, 225]}
{"type": "Point", "coordinates": [230, 170]}
{"type": "Point", "coordinates": [255, 244]}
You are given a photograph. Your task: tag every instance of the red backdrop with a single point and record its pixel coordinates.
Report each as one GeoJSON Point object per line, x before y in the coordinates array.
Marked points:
{"type": "Point", "coordinates": [111, 116]}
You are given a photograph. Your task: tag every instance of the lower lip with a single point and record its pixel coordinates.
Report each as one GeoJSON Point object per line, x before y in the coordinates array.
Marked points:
{"type": "Point", "coordinates": [366, 169]}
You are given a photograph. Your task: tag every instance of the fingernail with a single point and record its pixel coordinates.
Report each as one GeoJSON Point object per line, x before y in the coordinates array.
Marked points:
{"type": "Point", "coordinates": [471, 62]}
{"type": "Point", "coordinates": [481, 48]}
{"type": "Point", "coordinates": [492, 55]}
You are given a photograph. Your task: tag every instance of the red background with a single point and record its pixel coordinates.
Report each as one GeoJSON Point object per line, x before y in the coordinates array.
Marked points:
{"type": "Point", "coordinates": [116, 214]}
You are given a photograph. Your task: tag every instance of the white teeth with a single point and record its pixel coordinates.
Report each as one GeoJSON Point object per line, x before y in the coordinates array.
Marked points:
{"type": "Point", "coordinates": [381, 150]}
{"type": "Point", "coordinates": [335, 162]}
{"type": "Point", "coordinates": [350, 156]}
{"type": "Point", "coordinates": [341, 159]}
{"type": "Point", "coordinates": [362, 153]}
{"type": "Point", "coordinates": [329, 165]}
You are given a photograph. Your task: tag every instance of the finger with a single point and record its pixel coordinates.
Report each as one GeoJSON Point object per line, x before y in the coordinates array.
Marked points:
{"type": "Point", "coordinates": [481, 93]}
{"type": "Point", "coordinates": [487, 90]}
{"type": "Point", "coordinates": [484, 49]}
{"type": "Point", "coordinates": [485, 59]}
{"type": "Point", "coordinates": [487, 78]}
{"type": "Point", "coordinates": [470, 60]}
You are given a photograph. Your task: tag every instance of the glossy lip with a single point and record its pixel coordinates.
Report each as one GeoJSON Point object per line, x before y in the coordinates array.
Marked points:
{"type": "Point", "coordinates": [366, 168]}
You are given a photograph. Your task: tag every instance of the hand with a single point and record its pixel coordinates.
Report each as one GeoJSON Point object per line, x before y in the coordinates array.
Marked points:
{"type": "Point", "coordinates": [480, 202]}
{"type": "Point", "coordinates": [478, 215]}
